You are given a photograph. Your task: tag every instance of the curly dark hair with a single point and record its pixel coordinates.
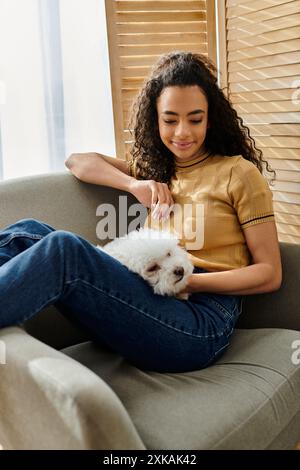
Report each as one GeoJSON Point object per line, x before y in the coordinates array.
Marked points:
{"type": "Point", "coordinates": [227, 135]}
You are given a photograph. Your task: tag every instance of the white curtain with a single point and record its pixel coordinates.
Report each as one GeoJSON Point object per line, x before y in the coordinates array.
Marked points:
{"type": "Point", "coordinates": [55, 95]}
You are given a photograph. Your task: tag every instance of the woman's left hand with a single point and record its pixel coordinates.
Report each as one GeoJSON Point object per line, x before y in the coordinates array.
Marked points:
{"type": "Point", "coordinates": [189, 285]}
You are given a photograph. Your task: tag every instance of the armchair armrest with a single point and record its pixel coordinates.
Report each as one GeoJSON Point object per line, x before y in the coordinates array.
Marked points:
{"type": "Point", "coordinates": [50, 401]}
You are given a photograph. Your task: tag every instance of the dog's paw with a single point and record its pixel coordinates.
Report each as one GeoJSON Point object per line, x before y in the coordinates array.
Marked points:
{"type": "Point", "coordinates": [182, 296]}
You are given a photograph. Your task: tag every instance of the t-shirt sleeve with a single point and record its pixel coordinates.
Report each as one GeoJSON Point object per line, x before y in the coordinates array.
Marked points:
{"type": "Point", "coordinates": [250, 194]}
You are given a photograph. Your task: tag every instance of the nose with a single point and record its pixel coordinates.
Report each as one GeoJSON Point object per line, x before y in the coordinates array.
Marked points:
{"type": "Point", "coordinates": [179, 271]}
{"type": "Point", "coordinates": [182, 130]}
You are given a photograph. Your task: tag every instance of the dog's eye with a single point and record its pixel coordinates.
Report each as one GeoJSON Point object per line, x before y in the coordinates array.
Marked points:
{"type": "Point", "coordinates": [153, 268]}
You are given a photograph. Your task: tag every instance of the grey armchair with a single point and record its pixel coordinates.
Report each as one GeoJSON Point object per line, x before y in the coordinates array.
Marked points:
{"type": "Point", "coordinates": [60, 390]}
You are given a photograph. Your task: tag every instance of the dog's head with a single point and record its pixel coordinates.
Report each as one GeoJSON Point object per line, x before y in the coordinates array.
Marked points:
{"type": "Point", "coordinates": [161, 261]}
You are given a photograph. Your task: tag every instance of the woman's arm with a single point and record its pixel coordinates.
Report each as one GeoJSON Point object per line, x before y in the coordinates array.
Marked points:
{"type": "Point", "coordinates": [109, 171]}
{"type": "Point", "coordinates": [264, 275]}
{"type": "Point", "coordinates": [100, 169]}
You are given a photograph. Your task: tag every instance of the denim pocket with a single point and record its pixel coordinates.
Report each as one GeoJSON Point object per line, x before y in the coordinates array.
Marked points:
{"type": "Point", "coordinates": [12, 236]}
{"type": "Point", "coordinates": [226, 314]}
{"type": "Point", "coordinates": [223, 306]}
{"type": "Point", "coordinates": [230, 305]}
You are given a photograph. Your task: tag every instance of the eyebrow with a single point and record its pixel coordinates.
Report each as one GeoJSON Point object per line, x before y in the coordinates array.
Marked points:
{"type": "Point", "coordinates": [196, 111]}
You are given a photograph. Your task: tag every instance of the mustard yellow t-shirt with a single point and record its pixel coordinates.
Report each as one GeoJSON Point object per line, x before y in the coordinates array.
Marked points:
{"type": "Point", "coordinates": [216, 198]}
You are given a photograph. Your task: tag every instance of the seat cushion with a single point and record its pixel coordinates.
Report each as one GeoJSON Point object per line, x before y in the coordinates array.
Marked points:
{"type": "Point", "coordinates": [244, 401]}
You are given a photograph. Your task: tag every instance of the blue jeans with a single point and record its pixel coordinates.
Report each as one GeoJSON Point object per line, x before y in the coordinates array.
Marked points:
{"type": "Point", "coordinates": [41, 266]}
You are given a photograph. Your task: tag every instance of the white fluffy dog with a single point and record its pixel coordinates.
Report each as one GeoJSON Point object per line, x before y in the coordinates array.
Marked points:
{"type": "Point", "coordinates": [156, 257]}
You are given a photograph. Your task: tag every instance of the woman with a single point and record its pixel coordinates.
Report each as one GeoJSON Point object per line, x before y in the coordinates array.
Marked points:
{"type": "Point", "coordinates": [190, 149]}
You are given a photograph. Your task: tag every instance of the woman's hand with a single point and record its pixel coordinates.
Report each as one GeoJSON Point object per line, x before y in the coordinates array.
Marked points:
{"type": "Point", "coordinates": [192, 285]}
{"type": "Point", "coordinates": [154, 195]}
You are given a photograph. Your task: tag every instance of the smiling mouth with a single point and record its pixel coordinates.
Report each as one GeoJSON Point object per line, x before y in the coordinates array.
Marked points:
{"type": "Point", "coordinates": [182, 144]}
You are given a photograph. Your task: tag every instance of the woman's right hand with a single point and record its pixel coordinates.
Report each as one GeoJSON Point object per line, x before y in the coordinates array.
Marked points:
{"type": "Point", "coordinates": [154, 195]}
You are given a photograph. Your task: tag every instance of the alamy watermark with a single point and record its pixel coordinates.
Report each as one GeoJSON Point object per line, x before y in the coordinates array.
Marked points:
{"type": "Point", "coordinates": [296, 93]}
{"type": "Point", "coordinates": [185, 220]}
{"type": "Point", "coordinates": [2, 352]}
{"type": "Point", "coordinates": [296, 354]}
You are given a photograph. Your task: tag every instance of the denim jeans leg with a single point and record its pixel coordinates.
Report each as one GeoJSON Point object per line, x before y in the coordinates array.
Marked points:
{"type": "Point", "coordinates": [117, 306]}
{"type": "Point", "coordinates": [19, 236]}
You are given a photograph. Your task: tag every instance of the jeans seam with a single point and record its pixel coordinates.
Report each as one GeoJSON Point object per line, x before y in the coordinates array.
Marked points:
{"type": "Point", "coordinates": [109, 294]}
{"type": "Point", "coordinates": [20, 234]}
{"type": "Point", "coordinates": [229, 315]}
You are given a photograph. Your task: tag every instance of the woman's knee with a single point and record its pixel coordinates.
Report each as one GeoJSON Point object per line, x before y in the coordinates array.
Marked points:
{"type": "Point", "coordinates": [70, 247]}
{"type": "Point", "coordinates": [63, 239]}
{"type": "Point", "coordinates": [32, 226]}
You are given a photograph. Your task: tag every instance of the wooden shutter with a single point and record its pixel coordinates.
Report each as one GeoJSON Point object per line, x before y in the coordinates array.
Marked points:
{"type": "Point", "coordinates": [262, 72]}
{"type": "Point", "coordinates": [139, 31]}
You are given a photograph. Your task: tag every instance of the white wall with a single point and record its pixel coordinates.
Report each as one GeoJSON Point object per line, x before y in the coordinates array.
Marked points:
{"type": "Point", "coordinates": [88, 102]}
{"type": "Point", "coordinates": [23, 120]}
{"type": "Point", "coordinates": [86, 82]}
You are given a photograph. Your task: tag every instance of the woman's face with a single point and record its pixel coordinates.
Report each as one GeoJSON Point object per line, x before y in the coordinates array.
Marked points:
{"type": "Point", "coordinates": [182, 120]}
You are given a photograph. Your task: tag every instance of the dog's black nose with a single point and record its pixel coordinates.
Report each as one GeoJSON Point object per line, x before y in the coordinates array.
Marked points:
{"type": "Point", "coordinates": [179, 272]}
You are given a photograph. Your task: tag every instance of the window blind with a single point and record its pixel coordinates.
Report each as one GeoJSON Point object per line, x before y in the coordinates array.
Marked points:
{"type": "Point", "coordinates": [262, 75]}
{"type": "Point", "coordinates": [139, 31]}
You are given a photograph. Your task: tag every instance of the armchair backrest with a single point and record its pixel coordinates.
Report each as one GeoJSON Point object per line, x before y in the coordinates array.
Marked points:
{"type": "Point", "coordinates": [58, 199]}
{"type": "Point", "coordinates": [279, 309]}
